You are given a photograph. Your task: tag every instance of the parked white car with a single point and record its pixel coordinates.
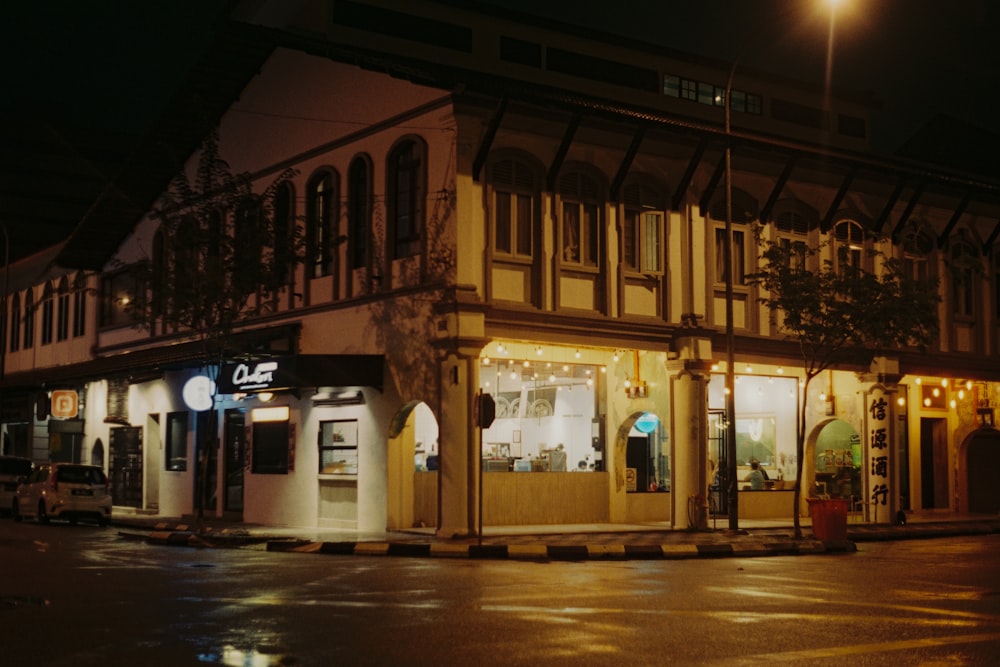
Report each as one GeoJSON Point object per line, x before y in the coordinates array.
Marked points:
{"type": "Point", "coordinates": [13, 469]}
{"type": "Point", "coordinates": [68, 491]}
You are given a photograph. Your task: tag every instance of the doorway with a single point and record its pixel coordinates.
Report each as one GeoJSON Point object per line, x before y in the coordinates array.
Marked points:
{"type": "Point", "coordinates": [125, 466]}
{"type": "Point", "coordinates": [235, 459]}
{"type": "Point", "coordinates": [933, 463]}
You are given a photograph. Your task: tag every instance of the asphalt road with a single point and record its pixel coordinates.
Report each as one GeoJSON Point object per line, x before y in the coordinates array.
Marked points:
{"type": "Point", "coordinates": [81, 595]}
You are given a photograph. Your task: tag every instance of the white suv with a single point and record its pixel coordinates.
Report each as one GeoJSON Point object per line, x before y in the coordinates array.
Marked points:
{"type": "Point", "coordinates": [64, 491]}
{"type": "Point", "coordinates": [13, 469]}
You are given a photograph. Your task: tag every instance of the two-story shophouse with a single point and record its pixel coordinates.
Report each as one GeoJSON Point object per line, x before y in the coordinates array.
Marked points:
{"type": "Point", "coordinates": [493, 206]}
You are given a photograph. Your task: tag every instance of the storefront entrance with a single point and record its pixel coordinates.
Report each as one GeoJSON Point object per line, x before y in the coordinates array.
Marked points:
{"type": "Point", "coordinates": [125, 466]}
{"type": "Point", "coordinates": [235, 459]}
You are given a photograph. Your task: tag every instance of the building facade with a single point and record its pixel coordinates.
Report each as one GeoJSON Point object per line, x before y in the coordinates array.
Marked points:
{"type": "Point", "coordinates": [537, 214]}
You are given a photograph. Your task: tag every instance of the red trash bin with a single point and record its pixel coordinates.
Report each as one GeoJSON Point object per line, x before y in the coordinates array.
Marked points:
{"type": "Point", "coordinates": [829, 518]}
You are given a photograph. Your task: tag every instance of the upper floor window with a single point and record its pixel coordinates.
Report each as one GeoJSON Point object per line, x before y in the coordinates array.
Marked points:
{"type": "Point", "coordinates": [29, 319]}
{"type": "Point", "coordinates": [965, 268]}
{"type": "Point", "coordinates": [284, 223]}
{"type": "Point", "coordinates": [321, 201]}
{"type": "Point", "coordinates": [248, 241]}
{"type": "Point", "coordinates": [514, 196]}
{"type": "Point", "coordinates": [62, 310]}
{"type": "Point", "coordinates": [793, 227]}
{"type": "Point", "coordinates": [745, 210]}
{"type": "Point", "coordinates": [996, 283]}
{"type": "Point", "coordinates": [359, 210]}
{"type": "Point", "coordinates": [849, 245]}
{"type": "Point", "coordinates": [581, 221]}
{"type": "Point", "coordinates": [79, 305]}
{"type": "Point", "coordinates": [117, 292]}
{"type": "Point", "coordinates": [406, 195]}
{"type": "Point", "coordinates": [15, 322]}
{"type": "Point", "coordinates": [47, 314]}
{"type": "Point", "coordinates": [793, 222]}
{"type": "Point", "coordinates": [707, 93]}
{"type": "Point", "coordinates": [642, 229]}
{"type": "Point", "coordinates": [917, 245]}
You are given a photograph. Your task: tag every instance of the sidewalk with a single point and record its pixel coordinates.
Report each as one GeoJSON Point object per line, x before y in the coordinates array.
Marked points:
{"type": "Point", "coordinates": [553, 542]}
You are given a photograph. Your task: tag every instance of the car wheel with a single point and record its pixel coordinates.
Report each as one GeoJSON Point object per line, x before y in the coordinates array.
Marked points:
{"type": "Point", "coordinates": [43, 516]}
{"type": "Point", "coordinates": [16, 511]}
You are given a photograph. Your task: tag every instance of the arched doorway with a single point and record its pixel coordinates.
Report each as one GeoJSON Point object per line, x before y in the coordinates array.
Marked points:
{"type": "Point", "coordinates": [837, 461]}
{"type": "Point", "coordinates": [412, 471]}
{"type": "Point", "coordinates": [979, 464]}
{"type": "Point", "coordinates": [642, 464]}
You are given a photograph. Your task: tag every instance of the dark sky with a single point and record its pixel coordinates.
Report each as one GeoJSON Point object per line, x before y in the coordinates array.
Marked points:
{"type": "Point", "coordinates": [919, 57]}
{"type": "Point", "coordinates": [113, 62]}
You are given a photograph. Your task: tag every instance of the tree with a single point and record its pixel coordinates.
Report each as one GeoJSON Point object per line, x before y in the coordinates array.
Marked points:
{"type": "Point", "coordinates": [841, 314]}
{"type": "Point", "coordinates": [222, 255]}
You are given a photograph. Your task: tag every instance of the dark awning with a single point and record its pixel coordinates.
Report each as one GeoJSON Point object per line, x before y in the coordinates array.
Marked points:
{"type": "Point", "coordinates": [138, 365]}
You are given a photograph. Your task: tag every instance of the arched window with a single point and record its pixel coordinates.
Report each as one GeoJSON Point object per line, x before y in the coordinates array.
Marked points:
{"type": "Point", "coordinates": [849, 245]}
{"type": "Point", "coordinates": [321, 200]}
{"type": "Point", "coordinates": [514, 197]}
{"type": "Point", "coordinates": [184, 265]}
{"type": "Point", "coordinates": [965, 269]}
{"type": "Point", "coordinates": [29, 319]}
{"type": "Point", "coordinates": [247, 242]}
{"type": "Point", "coordinates": [158, 271]}
{"type": "Point", "coordinates": [642, 228]}
{"type": "Point", "coordinates": [996, 284]}
{"type": "Point", "coordinates": [79, 304]}
{"type": "Point", "coordinates": [406, 197]}
{"type": "Point", "coordinates": [48, 309]}
{"type": "Point", "coordinates": [62, 310]}
{"type": "Point", "coordinates": [359, 210]}
{"type": "Point", "coordinates": [793, 220]}
{"type": "Point", "coordinates": [15, 322]}
{"type": "Point", "coordinates": [917, 243]}
{"type": "Point", "coordinates": [580, 220]}
{"type": "Point", "coordinates": [282, 254]}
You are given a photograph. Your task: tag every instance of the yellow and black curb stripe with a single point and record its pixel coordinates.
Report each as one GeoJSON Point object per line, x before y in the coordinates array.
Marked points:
{"type": "Point", "coordinates": [562, 552]}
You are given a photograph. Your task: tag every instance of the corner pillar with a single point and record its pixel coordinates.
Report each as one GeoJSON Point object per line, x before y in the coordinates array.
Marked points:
{"type": "Point", "coordinates": [690, 373]}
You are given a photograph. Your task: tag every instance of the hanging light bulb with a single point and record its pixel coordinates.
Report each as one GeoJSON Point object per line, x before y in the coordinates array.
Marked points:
{"type": "Point", "coordinates": [578, 354]}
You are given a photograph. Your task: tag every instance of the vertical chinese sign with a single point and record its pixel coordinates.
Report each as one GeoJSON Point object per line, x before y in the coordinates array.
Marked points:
{"type": "Point", "coordinates": [879, 480]}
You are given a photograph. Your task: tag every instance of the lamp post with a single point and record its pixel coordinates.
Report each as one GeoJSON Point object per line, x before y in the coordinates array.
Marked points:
{"type": "Point", "coordinates": [730, 388]}
{"type": "Point", "coordinates": [3, 321]}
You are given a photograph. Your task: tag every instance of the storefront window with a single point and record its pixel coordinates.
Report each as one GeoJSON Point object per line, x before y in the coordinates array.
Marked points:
{"type": "Point", "coordinates": [177, 432]}
{"type": "Point", "coordinates": [271, 441]}
{"type": "Point", "coordinates": [545, 417]}
{"type": "Point", "coordinates": [766, 425]}
{"type": "Point", "coordinates": [338, 447]}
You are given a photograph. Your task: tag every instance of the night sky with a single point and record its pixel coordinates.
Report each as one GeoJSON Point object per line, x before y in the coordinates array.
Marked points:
{"type": "Point", "coordinates": [919, 58]}
{"type": "Point", "coordinates": [112, 64]}
{"type": "Point", "coordinates": [113, 61]}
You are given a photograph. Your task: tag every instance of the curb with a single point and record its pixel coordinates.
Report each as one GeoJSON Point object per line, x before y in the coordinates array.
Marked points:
{"type": "Point", "coordinates": [562, 552]}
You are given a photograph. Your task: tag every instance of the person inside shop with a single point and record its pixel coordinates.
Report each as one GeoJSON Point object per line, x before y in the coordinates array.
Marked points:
{"type": "Point", "coordinates": [755, 477]}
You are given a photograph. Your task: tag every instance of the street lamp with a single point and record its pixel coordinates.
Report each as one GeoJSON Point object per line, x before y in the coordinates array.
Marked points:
{"type": "Point", "coordinates": [730, 388]}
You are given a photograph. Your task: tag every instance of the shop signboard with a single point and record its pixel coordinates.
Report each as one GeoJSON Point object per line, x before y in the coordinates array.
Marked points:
{"type": "Point", "coordinates": [65, 404]}
{"type": "Point", "coordinates": [268, 374]}
{"type": "Point", "coordinates": [879, 481]}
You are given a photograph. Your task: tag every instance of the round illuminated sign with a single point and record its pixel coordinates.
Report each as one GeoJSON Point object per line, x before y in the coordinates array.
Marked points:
{"type": "Point", "coordinates": [198, 393]}
{"type": "Point", "coordinates": [647, 422]}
